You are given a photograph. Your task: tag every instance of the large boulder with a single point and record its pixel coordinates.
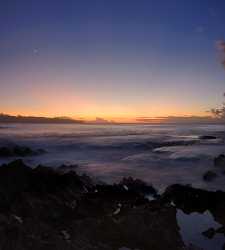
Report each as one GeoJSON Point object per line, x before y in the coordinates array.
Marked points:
{"type": "Point", "coordinates": [140, 227]}
{"type": "Point", "coordinates": [190, 200]}
{"type": "Point", "coordinates": [209, 176]}
{"type": "Point", "coordinates": [139, 186]}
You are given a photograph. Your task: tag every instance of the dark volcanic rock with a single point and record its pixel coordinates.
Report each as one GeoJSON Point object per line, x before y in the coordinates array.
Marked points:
{"type": "Point", "coordinates": [207, 137]}
{"type": "Point", "coordinates": [209, 233]}
{"type": "Point", "coordinates": [221, 230]}
{"type": "Point", "coordinates": [136, 228]}
{"type": "Point", "coordinates": [193, 247]}
{"type": "Point", "coordinates": [190, 200]}
{"type": "Point", "coordinates": [19, 151]}
{"type": "Point", "coordinates": [209, 176]}
{"type": "Point", "coordinates": [44, 209]}
{"type": "Point", "coordinates": [139, 186]}
{"type": "Point", "coordinates": [219, 161]}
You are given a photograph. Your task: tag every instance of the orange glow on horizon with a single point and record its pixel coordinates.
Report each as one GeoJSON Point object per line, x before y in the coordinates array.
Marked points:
{"type": "Point", "coordinates": [56, 101]}
{"type": "Point", "coordinates": [113, 98]}
{"type": "Point", "coordinates": [108, 116]}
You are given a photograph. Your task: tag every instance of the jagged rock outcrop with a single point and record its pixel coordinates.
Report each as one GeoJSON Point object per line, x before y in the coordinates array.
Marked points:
{"type": "Point", "coordinates": [190, 200]}
{"type": "Point", "coordinates": [44, 209]}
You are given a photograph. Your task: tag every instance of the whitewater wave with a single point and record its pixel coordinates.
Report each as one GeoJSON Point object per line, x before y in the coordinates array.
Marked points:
{"type": "Point", "coordinates": [159, 154]}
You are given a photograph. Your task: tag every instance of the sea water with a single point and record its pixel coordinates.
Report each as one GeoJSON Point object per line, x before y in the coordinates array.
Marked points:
{"type": "Point", "coordinates": [158, 154]}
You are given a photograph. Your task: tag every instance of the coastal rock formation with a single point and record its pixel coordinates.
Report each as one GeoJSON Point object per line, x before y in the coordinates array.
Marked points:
{"type": "Point", "coordinates": [44, 209]}
{"type": "Point", "coordinates": [209, 176]}
{"type": "Point", "coordinates": [190, 200]}
{"type": "Point", "coordinates": [207, 137]}
{"type": "Point", "coordinates": [209, 233]}
{"type": "Point", "coordinates": [139, 186]}
{"type": "Point", "coordinates": [48, 209]}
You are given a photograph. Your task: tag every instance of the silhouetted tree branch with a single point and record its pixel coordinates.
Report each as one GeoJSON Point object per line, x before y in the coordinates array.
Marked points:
{"type": "Point", "coordinates": [219, 112]}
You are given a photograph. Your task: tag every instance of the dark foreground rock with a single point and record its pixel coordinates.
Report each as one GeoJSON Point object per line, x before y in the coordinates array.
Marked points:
{"type": "Point", "coordinates": [44, 209]}
{"type": "Point", "coordinates": [67, 168]}
{"type": "Point", "coordinates": [209, 233]}
{"type": "Point", "coordinates": [19, 151]}
{"type": "Point", "coordinates": [139, 186]}
{"type": "Point", "coordinates": [190, 200]}
{"type": "Point", "coordinates": [209, 176]}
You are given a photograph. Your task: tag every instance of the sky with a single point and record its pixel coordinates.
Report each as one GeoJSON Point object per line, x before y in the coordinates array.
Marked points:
{"type": "Point", "coordinates": [111, 59]}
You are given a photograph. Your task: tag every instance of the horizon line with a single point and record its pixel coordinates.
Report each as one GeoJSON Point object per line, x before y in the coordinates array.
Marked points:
{"type": "Point", "coordinates": [8, 118]}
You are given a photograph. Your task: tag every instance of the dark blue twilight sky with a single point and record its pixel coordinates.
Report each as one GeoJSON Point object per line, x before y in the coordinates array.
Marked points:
{"type": "Point", "coordinates": [114, 59]}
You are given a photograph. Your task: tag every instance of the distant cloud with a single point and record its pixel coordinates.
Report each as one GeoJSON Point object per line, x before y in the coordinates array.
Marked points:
{"type": "Point", "coordinates": [99, 120]}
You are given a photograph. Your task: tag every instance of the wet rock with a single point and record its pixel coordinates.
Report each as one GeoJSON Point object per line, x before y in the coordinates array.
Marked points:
{"type": "Point", "coordinates": [21, 184]}
{"type": "Point", "coordinates": [117, 211]}
{"type": "Point", "coordinates": [209, 233]}
{"type": "Point", "coordinates": [207, 137]}
{"type": "Point", "coordinates": [17, 218]}
{"type": "Point", "coordinates": [209, 176]}
{"type": "Point", "coordinates": [14, 179]}
{"type": "Point", "coordinates": [44, 209]}
{"type": "Point", "coordinates": [117, 231]}
{"type": "Point", "coordinates": [47, 180]}
{"type": "Point", "coordinates": [66, 235]}
{"type": "Point", "coordinates": [221, 230]}
{"type": "Point", "coordinates": [187, 198]}
{"type": "Point", "coordinates": [191, 199]}
{"type": "Point", "coordinates": [139, 186]}
{"type": "Point", "coordinates": [104, 199]}
{"type": "Point", "coordinates": [219, 161]}
{"type": "Point", "coordinates": [192, 247]}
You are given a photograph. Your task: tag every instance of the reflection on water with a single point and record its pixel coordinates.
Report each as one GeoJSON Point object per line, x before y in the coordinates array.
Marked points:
{"type": "Point", "coordinates": [192, 226]}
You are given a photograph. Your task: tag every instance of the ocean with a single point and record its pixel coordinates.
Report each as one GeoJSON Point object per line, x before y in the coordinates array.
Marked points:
{"type": "Point", "coordinates": [158, 154]}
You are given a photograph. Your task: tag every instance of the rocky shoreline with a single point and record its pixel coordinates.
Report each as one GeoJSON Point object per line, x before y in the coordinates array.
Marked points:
{"type": "Point", "coordinates": [48, 209]}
